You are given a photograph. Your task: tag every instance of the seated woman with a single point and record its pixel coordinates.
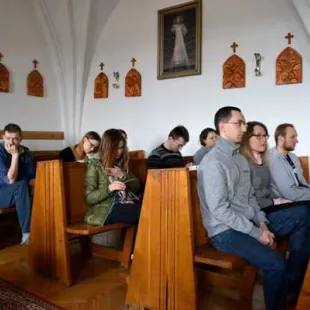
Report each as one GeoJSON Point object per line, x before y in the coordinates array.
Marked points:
{"type": "Point", "coordinates": [86, 148]}
{"type": "Point", "coordinates": [124, 133]}
{"type": "Point", "coordinates": [109, 186]}
{"type": "Point", "coordinates": [285, 217]}
{"type": "Point", "coordinates": [207, 140]}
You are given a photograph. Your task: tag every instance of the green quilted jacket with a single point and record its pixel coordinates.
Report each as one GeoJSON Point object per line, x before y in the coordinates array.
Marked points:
{"type": "Point", "coordinates": [97, 195]}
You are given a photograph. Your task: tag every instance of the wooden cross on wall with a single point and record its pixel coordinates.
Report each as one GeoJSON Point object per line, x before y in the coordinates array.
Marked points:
{"type": "Point", "coordinates": [133, 61]}
{"type": "Point", "coordinates": [289, 38]}
{"type": "Point", "coordinates": [234, 47]}
{"type": "Point", "coordinates": [101, 66]}
{"type": "Point", "coordinates": [35, 63]}
{"type": "Point", "coordinates": [1, 56]}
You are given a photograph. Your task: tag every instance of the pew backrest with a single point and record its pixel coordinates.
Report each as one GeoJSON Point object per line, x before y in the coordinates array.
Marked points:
{"type": "Point", "coordinates": [200, 234]}
{"type": "Point", "coordinates": [73, 178]}
{"type": "Point", "coordinates": [304, 163]}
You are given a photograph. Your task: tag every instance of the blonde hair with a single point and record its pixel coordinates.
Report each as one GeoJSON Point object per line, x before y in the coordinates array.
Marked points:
{"type": "Point", "coordinates": [108, 148]}
{"type": "Point", "coordinates": [245, 148]}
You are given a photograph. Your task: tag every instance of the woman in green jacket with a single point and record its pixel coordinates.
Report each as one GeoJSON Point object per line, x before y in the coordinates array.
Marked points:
{"type": "Point", "coordinates": [109, 186]}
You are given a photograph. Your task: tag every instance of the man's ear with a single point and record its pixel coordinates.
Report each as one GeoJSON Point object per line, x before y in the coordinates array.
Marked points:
{"type": "Point", "coordinates": [281, 140]}
{"type": "Point", "coordinates": [221, 127]}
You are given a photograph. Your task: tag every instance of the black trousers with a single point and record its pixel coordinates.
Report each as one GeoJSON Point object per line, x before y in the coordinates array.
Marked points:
{"type": "Point", "coordinates": [124, 213]}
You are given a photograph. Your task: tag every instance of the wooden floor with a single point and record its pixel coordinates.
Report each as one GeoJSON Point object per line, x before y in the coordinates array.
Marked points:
{"type": "Point", "coordinates": [100, 284]}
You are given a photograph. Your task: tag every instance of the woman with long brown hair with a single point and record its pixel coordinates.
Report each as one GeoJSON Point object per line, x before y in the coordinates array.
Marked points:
{"type": "Point", "coordinates": [109, 186]}
{"type": "Point", "coordinates": [86, 148]}
{"type": "Point", "coordinates": [286, 218]}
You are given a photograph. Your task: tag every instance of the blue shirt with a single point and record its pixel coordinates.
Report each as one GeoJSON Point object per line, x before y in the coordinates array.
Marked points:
{"type": "Point", "coordinates": [26, 166]}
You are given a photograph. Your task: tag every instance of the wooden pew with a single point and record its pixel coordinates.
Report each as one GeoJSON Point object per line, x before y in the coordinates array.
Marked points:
{"type": "Point", "coordinates": [217, 268]}
{"type": "Point", "coordinates": [162, 273]}
{"type": "Point", "coordinates": [172, 244]}
{"type": "Point", "coordinates": [304, 162]}
{"type": "Point", "coordinates": [58, 213]}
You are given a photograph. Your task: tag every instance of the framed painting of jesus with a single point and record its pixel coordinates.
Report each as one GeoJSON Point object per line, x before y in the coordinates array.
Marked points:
{"type": "Point", "coordinates": [179, 40]}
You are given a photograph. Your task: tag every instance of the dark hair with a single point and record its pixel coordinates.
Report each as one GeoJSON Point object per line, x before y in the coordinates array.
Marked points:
{"type": "Point", "coordinates": [245, 148]}
{"type": "Point", "coordinates": [204, 135]}
{"type": "Point", "coordinates": [179, 131]}
{"type": "Point", "coordinates": [281, 131]}
{"type": "Point", "coordinates": [108, 147]}
{"type": "Point", "coordinates": [124, 133]}
{"type": "Point", "coordinates": [223, 114]}
{"type": "Point", "coordinates": [12, 128]}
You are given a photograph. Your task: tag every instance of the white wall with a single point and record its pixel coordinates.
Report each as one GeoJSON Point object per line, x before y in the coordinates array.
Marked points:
{"type": "Point", "coordinates": [21, 41]}
{"type": "Point", "coordinates": [257, 26]}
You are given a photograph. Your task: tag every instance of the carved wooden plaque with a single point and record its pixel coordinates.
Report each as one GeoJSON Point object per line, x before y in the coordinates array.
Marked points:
{"type": "Point", "coordinates": [101, 87]}
{"type": "Point", "coordinates": [289, 67]}
{"type": "Point", "coordinates": [234, 72]}
{"type": "Point", "coordinates": [4, 79]}
{"type": "Point", "coordinates": [35, 84]}
{"type": "Point", "coordinates": [133, 83]}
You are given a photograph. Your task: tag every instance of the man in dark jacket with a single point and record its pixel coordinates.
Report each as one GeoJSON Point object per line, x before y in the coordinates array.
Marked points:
{"type": "Point", "coordinates": [17, 168]}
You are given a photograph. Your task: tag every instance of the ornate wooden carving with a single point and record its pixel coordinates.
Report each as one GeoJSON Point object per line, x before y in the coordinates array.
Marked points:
{"type": "Point", "coordinates": [133, 82]}
{"type": "Point", "coordinates": [35, 82]}
{"type": "Point", "coordinates": [101, 85]}
{"type": "Point", "coordinates": [4, 77]}
{"type": "Point", "coordinates": [289, 65]}
{"type": "Point", "coordinates": [234, 71]}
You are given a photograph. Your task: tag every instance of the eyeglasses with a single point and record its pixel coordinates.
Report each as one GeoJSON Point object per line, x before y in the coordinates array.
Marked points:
{"type": "Point", "coordinates": [95, 147]}
{"type": "Point", "coordinates": [261, 137]}
{"type": "Point", "coordinates": [239, 123]}
{"type": "Point", "coordinates": [179, 145]}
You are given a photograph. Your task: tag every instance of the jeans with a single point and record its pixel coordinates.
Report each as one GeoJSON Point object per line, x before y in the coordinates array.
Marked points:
{"type": "Point", "coordinates": [263, 257]}
{"type": "Point", "coordinates": [17, 194]}
{"type": "Point", "coordinates": [295, 223]}
{"type": "Point", "coordinates": [279, 277]}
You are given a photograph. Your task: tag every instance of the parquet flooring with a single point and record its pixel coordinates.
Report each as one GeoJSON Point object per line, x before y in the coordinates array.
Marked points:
{"type": "Point", "coordinates": [100, 283]}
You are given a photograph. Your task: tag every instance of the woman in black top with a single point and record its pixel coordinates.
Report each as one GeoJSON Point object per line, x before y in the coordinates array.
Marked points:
{"type": "Point", "coordinates": [87, 147]}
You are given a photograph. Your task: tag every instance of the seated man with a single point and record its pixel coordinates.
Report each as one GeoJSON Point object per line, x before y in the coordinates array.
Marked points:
{"type": "Point", "coordinates": [233, 218]}
{"type": "Point", "coordinates": [168, 155]}
{"type": "Point", "coordinates": [287, 180]}
{"type": "Point", "coordinates": [16, 170]}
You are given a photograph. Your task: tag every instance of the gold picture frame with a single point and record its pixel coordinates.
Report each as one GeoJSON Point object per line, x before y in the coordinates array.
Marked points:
{"type": "Point", "coordinates": [179, 40]}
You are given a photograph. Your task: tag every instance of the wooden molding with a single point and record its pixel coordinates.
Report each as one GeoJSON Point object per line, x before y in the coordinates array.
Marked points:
{"type": "Point", "coordinates": [41, 135]}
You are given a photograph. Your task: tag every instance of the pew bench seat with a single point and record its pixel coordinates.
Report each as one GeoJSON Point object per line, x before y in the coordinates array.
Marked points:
{"type": "Point", "coordinates": [89, 230]}
{"type": "Point", "coordinates": [7, 210]}
{"type": "Point", "coordinates": [208, 255]}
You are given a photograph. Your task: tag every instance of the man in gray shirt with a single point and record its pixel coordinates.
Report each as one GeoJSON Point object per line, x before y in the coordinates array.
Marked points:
{"type": "Point", "coordinates": [287, 178]}
{"type": "Point", "coordinates": [230, 212]}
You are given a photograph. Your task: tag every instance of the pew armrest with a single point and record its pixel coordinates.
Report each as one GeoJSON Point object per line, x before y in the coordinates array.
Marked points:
{"type": "Point", "coordinates": [88, 230]}
{"type": "Point", "coordinates": [210, 256]}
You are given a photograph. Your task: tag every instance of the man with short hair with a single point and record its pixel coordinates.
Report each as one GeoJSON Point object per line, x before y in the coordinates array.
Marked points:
{"type": "Point", "coordinates": [234, 220]}
{"type": "Point", "coordinates": [16, 170]}
{"type": "Point", "coordinates": [287, 179]}
{"type": "Point", "coordinates": [168, 154]}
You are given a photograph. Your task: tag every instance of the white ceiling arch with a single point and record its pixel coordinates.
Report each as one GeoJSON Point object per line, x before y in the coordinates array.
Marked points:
{"type": "Point", "coordinates": [303, 9]}
{"type": "Point", "coordinates": [72, 29]}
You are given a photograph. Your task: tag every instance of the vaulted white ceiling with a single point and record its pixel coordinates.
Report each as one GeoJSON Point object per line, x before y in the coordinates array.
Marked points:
{"type": "Point", "coordinates": [72, 29]}
{"type": "Point", "coordinates": [303, 9]}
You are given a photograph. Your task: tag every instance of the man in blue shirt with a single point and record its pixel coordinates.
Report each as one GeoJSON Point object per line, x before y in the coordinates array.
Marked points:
{"type": "Point", "coordinates": [17, 168]}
